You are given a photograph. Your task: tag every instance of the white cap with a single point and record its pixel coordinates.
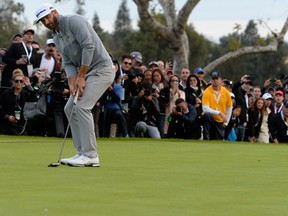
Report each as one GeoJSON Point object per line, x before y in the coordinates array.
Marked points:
{"type": "Point", "coordinates": [267, 96]}
{"type": "Point", "coordinates": [43, 11]}
{"type": "Point", "coordinates": [50, 41]}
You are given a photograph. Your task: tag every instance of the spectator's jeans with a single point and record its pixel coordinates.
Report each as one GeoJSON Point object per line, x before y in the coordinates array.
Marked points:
{"type": "Point", "coordinates": [142, 128]}
{"type": "Point", "coordinates": [240, 132]}
{"type": "Point", "coordinates": [212, 130]}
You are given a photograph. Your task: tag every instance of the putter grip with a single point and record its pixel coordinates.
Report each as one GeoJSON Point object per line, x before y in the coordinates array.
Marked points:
{"type": "Point", "coordinates": [76, 97]}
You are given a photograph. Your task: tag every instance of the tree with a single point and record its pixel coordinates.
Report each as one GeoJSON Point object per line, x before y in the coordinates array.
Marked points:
{"type": "Point", "coordinates": [174, 33]}
{"type": "Point", "coordinates": [9, 21]}
{"type": "Point", "coordinates": [122, 26]}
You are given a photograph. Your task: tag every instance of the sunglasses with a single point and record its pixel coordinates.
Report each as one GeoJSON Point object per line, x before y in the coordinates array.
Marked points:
{"type": "Point", "coordinates": [174, 80]}
{"type": "Point", "coordinates": [18, 81]}
{"type": "Point", "coordinates": [127, 63]}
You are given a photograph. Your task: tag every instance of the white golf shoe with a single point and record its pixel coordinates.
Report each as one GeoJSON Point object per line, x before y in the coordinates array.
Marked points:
{"type": "Point", "coordinates": [84, 161]}
{"type": "Point", "coordinates": [65, 161]}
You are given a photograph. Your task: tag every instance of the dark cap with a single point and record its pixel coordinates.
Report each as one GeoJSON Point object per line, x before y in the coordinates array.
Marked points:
{"type": "Point", "coordinates": [28, 30]}
{"type": "Point", "coordinates": [16, 35]}
{"type": "Point", "coordinates": [215, 74]}
{"type": "Point", "coordinates": [137, 56]}
{"type": "Point", "coordinates": [153, 63]}
{"type": "Point", "coordinates": [198, 70]}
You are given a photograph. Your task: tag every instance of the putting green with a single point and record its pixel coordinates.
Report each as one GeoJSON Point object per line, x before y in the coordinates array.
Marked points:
{"type": "Point", "coordinates": [144, 177]}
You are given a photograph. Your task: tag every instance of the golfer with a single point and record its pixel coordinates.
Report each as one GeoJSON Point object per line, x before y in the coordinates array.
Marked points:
{"type": "Point", "coordinates": [90, 71]}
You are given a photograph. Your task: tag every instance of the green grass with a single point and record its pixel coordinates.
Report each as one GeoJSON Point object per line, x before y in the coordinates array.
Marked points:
{"type": "Point", "coordinates": [144, 177]}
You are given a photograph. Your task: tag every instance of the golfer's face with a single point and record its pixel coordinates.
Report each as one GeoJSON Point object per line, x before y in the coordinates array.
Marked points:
{"type": "Point", "coordinates": [50, 21]}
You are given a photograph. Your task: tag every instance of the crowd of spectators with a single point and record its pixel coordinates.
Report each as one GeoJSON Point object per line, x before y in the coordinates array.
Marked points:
{"type": "Point", "coordinates": [143, 101]}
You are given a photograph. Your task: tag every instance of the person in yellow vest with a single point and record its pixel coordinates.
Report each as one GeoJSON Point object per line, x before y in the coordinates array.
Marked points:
{"type": "Point", "coordinates": [217, 109]}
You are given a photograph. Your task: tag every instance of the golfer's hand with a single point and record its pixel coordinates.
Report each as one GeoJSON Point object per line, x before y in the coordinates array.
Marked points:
{"type": "Point", "coordinates": [71, 83]}
{"type": "Point", "coordinates": [80, 85]}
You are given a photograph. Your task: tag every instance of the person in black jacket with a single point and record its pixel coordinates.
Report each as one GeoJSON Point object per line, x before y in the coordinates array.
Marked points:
{"type": "Point", "coordinates": [19, 55]}
{"type": "Point", "coordinates": [11, 106]}
{"type": "Point", "coordinates": [183, 122]}
{"type": "Point", "coordinates": [241, 90]}
{"type": "Point", "coordinates": [278, 126]}
{"type": "Point", "coordinates": [144, 113]}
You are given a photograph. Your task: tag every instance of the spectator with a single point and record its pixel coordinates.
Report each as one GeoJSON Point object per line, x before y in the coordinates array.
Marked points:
{"type": "Point", "coordinates": [278, 102]}
{"type": "Point", "coordinates": [161, 65]}
{"type": "Point", "coordinates": [255, 115]}
{"type": "Point", "coordinates": [182, 122]}
{"type": "Point", "coordinates": [199, 72]}
{"type": "Point", "coordinates": [111, 100]}
{"type": "Point", "coordinates": [17, 38]}
{"type": "Point", "coordinates": [153, 65]}
{"type": "Point", "coordinates": [36, 46]}
{"type": "Point", "coordinates": [241, 92]}
{"type": "Point", "coordinates": [185, 72]}
{"type": "Point", "coordinates": [217, 108]}
{"type": "Point", "coordinates": [256, 92]}
{"type": "Point", "coordinates": [175, 93]}
{"type": "Point", "coordinates": [193, 93]}
{"type": "Point", "coordinates": [161, 91]}
{"type": "Point", "coordinates": [264, 130]}
{"type": "Point", "coordinates": [278, 126]}
{"type": "Point", "coordinates": [230, 130]}
{"type": "Point", "coordinates": [136, 59]}
{"type": "Point", "coordinates": [144, 112]}
{"type": "Point", "coordinates": [46, 61]}
{"type": "Point", "coordinates": [19, 55]}
{"type": "Point", "coordinates": [11, 106]}
{"type": "Point", "coordinates": [148, 76]}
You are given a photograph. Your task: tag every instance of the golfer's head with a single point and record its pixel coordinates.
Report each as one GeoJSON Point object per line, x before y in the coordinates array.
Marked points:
{"type": "Point", "coordinates": [48, 15]}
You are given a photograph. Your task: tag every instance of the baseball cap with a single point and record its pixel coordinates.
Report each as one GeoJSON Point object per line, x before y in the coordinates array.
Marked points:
{"type": "Point", "coordinates": [28, 30]}
{"type": "Point", "coordinates": [267, 96]}
{"type": "Point", "coordinates": [43, 11]}
{"type": "Point", "coordinates": [50, 41]}
{"type": "Point", "coordinates": [279, 92]}
{"type": "Point", "coordinates": [137, 56]}
{"type": "Point", "coordinates": [153, 63]}
{"type": "Point", "coordinates": [215, 74]}
{"type": "Point", "coordinates": [198, 70]}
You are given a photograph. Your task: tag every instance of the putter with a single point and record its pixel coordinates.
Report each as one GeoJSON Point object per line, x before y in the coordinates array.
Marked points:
{"type": "Point", "coordinates": [68, 126]}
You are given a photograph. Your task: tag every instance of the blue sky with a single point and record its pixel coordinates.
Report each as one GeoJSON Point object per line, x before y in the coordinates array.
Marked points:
{"type": "Point", "coordinates": [210, 17]}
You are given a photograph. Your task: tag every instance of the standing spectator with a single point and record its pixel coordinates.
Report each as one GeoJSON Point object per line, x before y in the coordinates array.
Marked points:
{"type": "Point", "coordinates": [148, 76]}
{"type": "Point", "coordinates": [175, 93]}
{"type": "Point", "coordinates": [255, 115]}
{"type": "Point", "coordinates": [161, 91]}
{"type": "Point", "coordinates": [278, 102]}
{"type": "Point", "coordinates": [278, 126]}
{"type": "Point", "coordinates": [199, 72]}
{"type": "Point", "coordinates": [256, 92]}
{"type": "Point", "coordinates": [217, 108]}
{"type": "Point", "coordinates": [17, 38]}
{"type": "Point", "coordinates": [153, 65]}
{"type": "Point", "coordinates": [136, 59]}
{"type": "Point", "coordinates": [11, 106]}
{"type": "Point", "coordinates": [241, 91]}
{"type": "Point", "coordinates": [264, 130]}
{"type": "Point", "coordinates": [185, 72]}
{"type": "Point", "coordinates": [19, 55]}
{"type": "Point", "coordinates": [46, 61]}
{"type": "Point", "coordinates": [193, 93]}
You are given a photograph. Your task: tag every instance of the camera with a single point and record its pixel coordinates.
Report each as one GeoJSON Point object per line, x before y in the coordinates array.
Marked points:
{"type": "Point", "coordinates": [147, 92]}
{"type": "Point", "coordinates": [178, 109]}
{"type": "Point", "coordinates": [272, 80]}
{"type": "Point", "coordinates": [251, 77]}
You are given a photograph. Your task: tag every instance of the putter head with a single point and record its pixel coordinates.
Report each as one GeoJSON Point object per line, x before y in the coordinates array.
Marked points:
{"type": "Point", "coordinates": [54, 165]}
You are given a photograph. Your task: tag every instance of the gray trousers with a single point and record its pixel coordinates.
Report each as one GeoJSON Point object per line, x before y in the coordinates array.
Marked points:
{"type": "Point", "coordinates": [82, 123]}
